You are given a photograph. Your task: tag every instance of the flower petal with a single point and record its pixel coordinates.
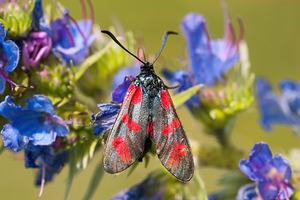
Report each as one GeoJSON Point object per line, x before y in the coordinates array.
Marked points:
{"type": "Point", "coordinates": [33, 152]}
{"type": "Point", "coordinates": [40, 103]}
{"type": "Point", "coordinates": [193, 27]}
{"type": "Point", "coordinates": [247, 168]}
{"type": "Point", "coordinates": [119, 92]}
{"type": "Point", "coordinates": [260, 155]}
{"type": "Point", "coordinates": [282, 166]}
{"type": "Point", "coordinates": [8, 108]}
{"type": "Point", "coordinates": [131, 71]}
{"type": "Point", "coordinates": [12, 139]}
{"type": "Point", "coordinates": [248, 192]}
{"type": "Point", "coordinates": [105, 118]}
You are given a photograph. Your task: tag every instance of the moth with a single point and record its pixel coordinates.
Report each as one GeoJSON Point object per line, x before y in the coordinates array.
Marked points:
{"type": "Point", "coordinates": [148, 115]}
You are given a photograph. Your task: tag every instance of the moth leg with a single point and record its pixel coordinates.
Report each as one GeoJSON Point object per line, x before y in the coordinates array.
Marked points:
{"type": "Point", "coordinates": [172, 87]}
{"type": "Point", "coordinates": [128, 77]}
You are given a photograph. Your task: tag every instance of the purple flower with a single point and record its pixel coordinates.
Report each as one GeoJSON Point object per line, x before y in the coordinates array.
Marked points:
{"type": "Point", "coordinates": [35, 49]}
{"type": "Point", "coordinates": [272, 174]}
{"type": "Point", "coordinates": [276, 109]}
{"type": "Point", "coordinates": [72, 40]}
{"type": "Point", "coordinates": [9, 58]}
{"type": "Point", "coordinates": [119, 92]}
{"type": "Point", "coordinates": [105, 118]}
{"type": "Point", "coordinates": [37, 122]}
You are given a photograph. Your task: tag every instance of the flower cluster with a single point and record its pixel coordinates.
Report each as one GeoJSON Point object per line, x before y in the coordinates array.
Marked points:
{"type": "Point", "coordinates": [272, 174]}
{"type": "Point", "coordinates": [224, 94]}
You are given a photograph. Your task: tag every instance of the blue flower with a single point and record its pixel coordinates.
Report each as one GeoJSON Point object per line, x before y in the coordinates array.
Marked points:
{"type": "Point", "coordinates": [105, 118]}
{"type": "Point", "coordinates": [142, 191]}
{"type": "Point", "coordinates": [276, 109]}
{"type": "Point", "coordinates": [38, 21]}
{"type": "Point", "coordinates": [37, 122]}
{"type": "Point", "coordinates": [15, 142]}
{"type": "Point", "coordinates": [248, 192]}
{"type": "Point", "coordinates": [119, 92]}
{"type": "Point", "coordinates": [49, 164]}
{"type": "Point", "coordinates": [209, 59]}
{"type": "Point", "coordinates": [43, 154]}
{"type": "Point", "coordinates": [272, 174]}
{"type": "Point", "coordinates": [58, 162]}
{"type": "Point", "coordinates": [9, 58]}
{"type": "Point", "coordinates": [131, 71]}
{"type": "Point", "coordinates": [72, 40]}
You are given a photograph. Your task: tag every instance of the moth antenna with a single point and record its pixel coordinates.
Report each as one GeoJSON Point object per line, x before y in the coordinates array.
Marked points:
{"type": "Point", "coordinates": [163, 43]}
{"type": "Point", "coordinates": [118, 43]}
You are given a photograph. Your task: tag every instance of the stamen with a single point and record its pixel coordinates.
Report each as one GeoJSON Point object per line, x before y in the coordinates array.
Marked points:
{"type": "Point", "coordinates": [83, 10]}
{"type": "Point", "coordinates": [78, 28]}
{"type": "Point", "coordinates": [11, 82]}
{"type": "Point", "coordinates": [43, 178]}
{"type": "Point", "coordinates": [232, 33]}
{"type": "Point", "coordinates": [65, 14]}
{"type": "Point", "coordinates": [92, 14]}
{"type": "Point", "coordinates": [242, 31]}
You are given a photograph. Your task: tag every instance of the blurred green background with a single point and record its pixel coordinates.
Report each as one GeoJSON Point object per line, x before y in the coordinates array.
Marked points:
{"type": "Point", "coordinates": [272, 31]}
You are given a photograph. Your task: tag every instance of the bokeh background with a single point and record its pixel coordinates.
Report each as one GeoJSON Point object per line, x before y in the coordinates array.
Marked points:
{"type": "Point", "coordinates": [272, 31]}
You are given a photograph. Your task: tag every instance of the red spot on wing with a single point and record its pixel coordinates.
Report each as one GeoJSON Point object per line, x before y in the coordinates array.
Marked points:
{"type": "Point", "coordinates": [170, 99]}
{"type": "Point", "coordinates": [176, 123]}
{"type": "Point", "coordinates": [137, 97]}
{"type": "Point", "coordinates": [133, 126]}
{"type": "Point", "coordinates": [165, 100]}
{"type": "Point", "coordinates": [130, 91]}
{"type": "Point", "coordinates": [170, 127]}
{"type": "Point", "coordinates": [121, 147]}
{"type": "Point", "coordinates": [177, 155]}
{"type": "Point", "coordinates": [150, 128]}
{"type": "Point", "coordinates": [124, 117]}
{"type": "Point", "coordinates": [167, 129]}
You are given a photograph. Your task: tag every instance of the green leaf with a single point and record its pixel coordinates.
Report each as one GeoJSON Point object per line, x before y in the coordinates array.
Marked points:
{"type": "Point", "coordinates": [72, 170]}
{"type": "Point", "coordinates": [182, 97]}
{"type": "Point", "coordinates": [96, 178]}
{"type": "Point", "coordinates": [81, 68]}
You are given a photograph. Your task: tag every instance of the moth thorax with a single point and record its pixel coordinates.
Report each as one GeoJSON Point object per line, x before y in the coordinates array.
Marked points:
{"type": "Point", "coordinates": [147, 67]}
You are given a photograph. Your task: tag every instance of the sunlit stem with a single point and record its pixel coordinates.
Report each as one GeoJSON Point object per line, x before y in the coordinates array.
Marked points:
{"type": "Point", "coordinates": [43, 178]}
